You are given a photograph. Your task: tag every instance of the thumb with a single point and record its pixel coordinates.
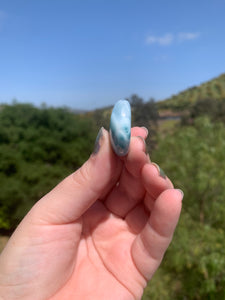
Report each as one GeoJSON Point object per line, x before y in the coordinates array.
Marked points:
{"type": "Point", "coordinates": [76, 193]}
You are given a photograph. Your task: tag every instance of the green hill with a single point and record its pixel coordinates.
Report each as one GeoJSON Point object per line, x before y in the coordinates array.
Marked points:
{"type": "Point", "coordinates": [213, 89]}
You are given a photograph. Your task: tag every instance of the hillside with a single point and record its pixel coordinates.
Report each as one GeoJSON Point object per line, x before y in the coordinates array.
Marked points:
{"type": "Point", "coordinates": [213, 89]}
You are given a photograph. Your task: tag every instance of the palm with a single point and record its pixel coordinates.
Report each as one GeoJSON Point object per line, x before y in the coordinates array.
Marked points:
{"type": "Point", "coordinates": [103, 254]}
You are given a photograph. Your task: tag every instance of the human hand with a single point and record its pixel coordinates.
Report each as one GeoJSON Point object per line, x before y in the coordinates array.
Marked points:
{"type": "Point", "coordinates": [100, 234]}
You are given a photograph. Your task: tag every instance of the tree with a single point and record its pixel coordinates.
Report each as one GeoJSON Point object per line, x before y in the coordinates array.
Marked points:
{"type": "Point", "coordinates": [145, 114]}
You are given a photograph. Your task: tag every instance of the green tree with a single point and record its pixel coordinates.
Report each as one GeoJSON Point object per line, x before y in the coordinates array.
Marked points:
{"type": "Point", "coordinates": [145, 114]}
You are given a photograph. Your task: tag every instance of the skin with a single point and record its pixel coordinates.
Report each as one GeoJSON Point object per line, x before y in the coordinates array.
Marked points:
{"type": "Point", "coordinates": [100, 234]}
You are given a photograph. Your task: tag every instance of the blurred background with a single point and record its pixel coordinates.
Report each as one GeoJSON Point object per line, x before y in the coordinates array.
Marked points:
{"type": "Point", "coordinates": [64, 64]}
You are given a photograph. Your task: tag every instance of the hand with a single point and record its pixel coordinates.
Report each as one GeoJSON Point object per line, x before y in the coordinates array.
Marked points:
{"type": "Point", "coordinates": [100, 234]}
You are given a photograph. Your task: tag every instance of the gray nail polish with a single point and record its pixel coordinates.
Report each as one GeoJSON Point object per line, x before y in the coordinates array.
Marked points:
{"type": "Point", "coordinates": [161, 172]}
{"type": "Point", "coordinates": [97, 141]}
{"type": "Point", "coordinates": [146, 129]}
{"type": "Point", "coordinates": [182, 193]}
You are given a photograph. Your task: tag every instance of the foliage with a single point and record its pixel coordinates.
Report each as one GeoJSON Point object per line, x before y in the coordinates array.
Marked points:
{"type": "Point", "coordinates": [194, 158]}
{"type": "Point", "coordinates": [197, 260]}
{"type": "Point", "coordinates": [206, 107]}
{"type": "Point", "coordinates": [197, 163]}
{"type": "Point", "coordinates": [213, 89]}
{"type": "Point", "coordinates": [38, 147]}
{"type": "Point", "coordinates": [145, 114]}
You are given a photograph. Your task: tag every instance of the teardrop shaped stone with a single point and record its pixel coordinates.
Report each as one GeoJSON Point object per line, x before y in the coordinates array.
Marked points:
{"type": "Point", "coordinates": [120, 126]}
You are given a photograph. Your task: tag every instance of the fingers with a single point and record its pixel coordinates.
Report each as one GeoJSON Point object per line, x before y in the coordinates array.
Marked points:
{"type": "Point", "coordinates": [155, 182]}
{"type": "Point", "coordinates": [138, 176]}
{"type": "Point", "coordinates": [129, 191]}
{"type": "Point", "coordinates": [150, 245]}
{"type": "Point", "coordinates": [75, 194]}
{"type": "Point", "coordinates": [139, 131]}
{"type": "Point", "coordinates": [136, 157]}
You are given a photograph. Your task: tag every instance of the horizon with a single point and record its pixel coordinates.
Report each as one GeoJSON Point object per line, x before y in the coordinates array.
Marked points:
{"type": "Point", "coordinates": [87, 55]}
{"type": "Point", "coordinates": [107, 106]}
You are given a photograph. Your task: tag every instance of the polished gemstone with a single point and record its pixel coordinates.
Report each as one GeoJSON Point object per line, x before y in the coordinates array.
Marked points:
{"type": "Point", "coordinates": [120, 126]}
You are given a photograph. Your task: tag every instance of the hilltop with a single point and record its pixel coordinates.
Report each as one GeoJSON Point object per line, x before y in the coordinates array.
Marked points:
{"type": "Point", "coordinates": [213, 89]}
{"type": "Point", "coordinates": [176, 105]}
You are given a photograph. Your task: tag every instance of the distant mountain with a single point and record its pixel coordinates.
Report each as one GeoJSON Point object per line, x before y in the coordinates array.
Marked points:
{"type": "Point", "coordinates": [213, 89]}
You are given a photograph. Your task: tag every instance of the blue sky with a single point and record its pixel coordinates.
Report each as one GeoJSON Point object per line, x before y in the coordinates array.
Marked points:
{"type": "Point", "coordinates": [87, 54]}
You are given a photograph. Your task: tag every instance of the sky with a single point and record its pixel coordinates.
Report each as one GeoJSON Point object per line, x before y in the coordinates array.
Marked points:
{"type": "Point", "coordinates": [87, 54]}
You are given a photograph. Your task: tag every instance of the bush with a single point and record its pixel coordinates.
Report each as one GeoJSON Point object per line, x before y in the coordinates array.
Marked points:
{"type": "Point", "coordinates": [38, 148]}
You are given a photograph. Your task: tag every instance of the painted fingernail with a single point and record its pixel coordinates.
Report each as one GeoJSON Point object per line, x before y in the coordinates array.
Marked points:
{"type": "Point", "coordinates": [146, 129]}
{"type": "Point", "coordinates": [143, 141]}
{"type": "Point", "coordinates": [182, 193]}
{"type": "Point", "coordinates": [97, 141]}
{"type": "Point", "coordinates": [161, 172]}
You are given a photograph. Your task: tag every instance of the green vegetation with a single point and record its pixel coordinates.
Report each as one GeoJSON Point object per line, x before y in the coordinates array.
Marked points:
{"type": "Point", "coordinates": [39, 147]}
{"type": "Point", "coordinates": [212, 108]}
{"type": "Point", "coordinates": [194, 266]}
{"type": "Point", "coordinates": [213, 89]}
{"type": "Point", "coordinates": [192, 153]}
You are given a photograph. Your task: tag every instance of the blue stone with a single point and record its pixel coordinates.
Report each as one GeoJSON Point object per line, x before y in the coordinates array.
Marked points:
{"type": "Point", "coordinates": [120, 126]}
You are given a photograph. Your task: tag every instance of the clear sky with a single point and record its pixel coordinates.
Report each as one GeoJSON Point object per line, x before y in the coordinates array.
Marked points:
{"type": "Point", "coordinates": [89, 53]}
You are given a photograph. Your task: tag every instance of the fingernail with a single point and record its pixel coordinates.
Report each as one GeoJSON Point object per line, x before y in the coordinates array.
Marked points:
{"type": "Point", "coordinates": [97, 141]}
{"type": "Point", "coordinates": [182, 193]}
{"type": "Point", "coordinates": [146, 129]}
{"type": "Point", "coordinates": [148, 157]}
{"type": "Point", "coordinates": [161, 172]}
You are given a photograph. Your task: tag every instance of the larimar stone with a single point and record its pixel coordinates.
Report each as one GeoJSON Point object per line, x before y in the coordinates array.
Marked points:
{"type": "Point", "coordinates": [120, 126]}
